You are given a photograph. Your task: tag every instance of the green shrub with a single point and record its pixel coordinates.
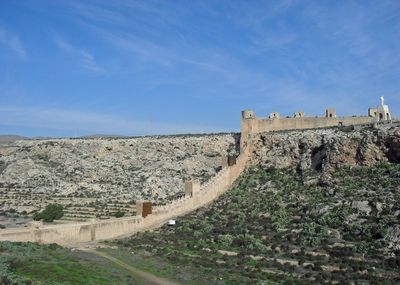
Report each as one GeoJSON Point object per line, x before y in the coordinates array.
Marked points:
{"type": "Point", "coordinates": [313, 234]}
{"type": "Point", "coordinates": [280, 219]}
{"type": "Point", "coordinates": [225, 240]}
{"type": "Point", "coordinates": [361, 247]}
{"type": "Point", "coordinates": [50, 213]}
{"type": "Point", "coordinates": [336, 216]}
{"type": "Point", "coordinates": [119, 214]}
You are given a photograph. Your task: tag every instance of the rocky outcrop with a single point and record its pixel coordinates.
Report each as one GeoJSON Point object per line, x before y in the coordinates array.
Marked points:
{"type": "Point", "coordinates": [102, 174]}
{"type": "Point", "coordinates": [325, 150]}
{"type": "Point", "coordinates": [111, 170]}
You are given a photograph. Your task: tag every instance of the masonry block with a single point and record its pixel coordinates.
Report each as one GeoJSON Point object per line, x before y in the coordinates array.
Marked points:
{"type": "Point", "coordinates": [330, 113]}
{"type": "Point", "coordinates": [143, 208]}
{"type": "Point", "coordinates": [231, 160]}
{"type": "Point", "coordinates": [191, 188]}
{"type": "Point", "coordinates": [372, 112]}
{"type": "Point", "coordinates": [224, 161]}
{"type": "Point", "coordinates": [299, 114]}
{"type": "Point", "coordinates": [248, 114]}
{"type": "Point", "coordinates": [274, 115]}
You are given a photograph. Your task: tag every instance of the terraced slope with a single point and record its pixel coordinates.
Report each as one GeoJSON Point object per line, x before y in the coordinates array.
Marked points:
{"type": "Point", "coordinates": [98, 177]}
{"type": "Point", "coordinates": [272, 228]}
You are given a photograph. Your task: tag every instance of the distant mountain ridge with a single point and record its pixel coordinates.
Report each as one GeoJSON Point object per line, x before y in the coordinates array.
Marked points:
{"type": "Point", "coordinates": [97, 136]}
{"type": "Point", "coordinates": [7, 139]}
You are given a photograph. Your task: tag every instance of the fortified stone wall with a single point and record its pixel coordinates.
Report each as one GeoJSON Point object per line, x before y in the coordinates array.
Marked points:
{"type": "Point", "coordinates": [300, 123]}
{"type": "Point", "coordinates": [99, 177]}
{"type": "Point", "coordinates": [75, 233]}
{"type": "Point", "coordinates": [71, 234]}
{"type": "Point", "coordinates": [252, 125]}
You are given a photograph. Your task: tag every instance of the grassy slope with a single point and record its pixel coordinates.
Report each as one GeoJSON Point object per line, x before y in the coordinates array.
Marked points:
{"type": "Point", "coordinates": [28, 263]}
{"type": "Point", "coordinates": [285, 232]}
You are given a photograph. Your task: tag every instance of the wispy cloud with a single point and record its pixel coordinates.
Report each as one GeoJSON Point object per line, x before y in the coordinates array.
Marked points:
{"type": "Point", "coordinates": [12, 42]}
{"type": "Point", "coordinates": [96, 12]}
{"type": "Point", "coordinates": [85, 58]}
{"type": "Point", "coordinates": [275, 56]}
{"type": "Point", "coordinates": [142, 48]}
{"type": "Point", "coordinates": [210, 61]}
{"type": "Point", "coordinates": [81, 122]}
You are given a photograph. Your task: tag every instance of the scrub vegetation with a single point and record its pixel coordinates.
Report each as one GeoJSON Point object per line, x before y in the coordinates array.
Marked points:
{"type": "Point", "coordinates": [274, 228]}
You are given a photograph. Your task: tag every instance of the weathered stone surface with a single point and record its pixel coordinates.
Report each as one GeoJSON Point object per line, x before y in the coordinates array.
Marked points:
{"type": "Point", "coordinates": [393, 238]}
{"type": "Point", "coordinates": [362, 206]}
{"type": "Point", "coordinates": [119, 170]}
{"type": "Point", "coordinates": [327, 149]}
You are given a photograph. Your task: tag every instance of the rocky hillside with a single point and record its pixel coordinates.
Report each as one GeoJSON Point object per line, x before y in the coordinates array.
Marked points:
{"type": "Point", "coordinates": [327, 149]}
{"type": "Point", "coordinates": [315, 207]}
{"type": "Point", "coordinates": [95, 173]}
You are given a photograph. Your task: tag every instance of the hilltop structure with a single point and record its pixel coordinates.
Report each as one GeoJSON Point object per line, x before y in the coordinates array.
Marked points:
{"type": "Point", "coordinates": [196, 194]}
{"type": "Point", "coordinates": [250, 124]}
{"type": "Point", "coordinates": [381, 112]}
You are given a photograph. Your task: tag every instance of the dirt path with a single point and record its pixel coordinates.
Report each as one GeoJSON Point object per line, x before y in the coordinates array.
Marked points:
{"type": "Point", "coordinates": [145, 276]}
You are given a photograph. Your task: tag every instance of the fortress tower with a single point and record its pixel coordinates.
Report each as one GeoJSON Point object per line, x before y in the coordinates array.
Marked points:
{"type": "Point", "coordinates": [274, 122]}
{"type": "Point", "coordinates": [381, 113]}
{"type": "Point", "coordinates": [247, 122]}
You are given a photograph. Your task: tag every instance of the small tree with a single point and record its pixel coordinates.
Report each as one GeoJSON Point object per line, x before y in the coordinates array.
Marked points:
{"type": "Point", "coordinates": [119, 214]}
{"type": "Point", "coordinates": [50, 213]}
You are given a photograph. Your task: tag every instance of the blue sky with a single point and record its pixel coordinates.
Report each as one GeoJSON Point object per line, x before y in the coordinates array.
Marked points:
{"type": "Point", "coordinates": [72, 68]}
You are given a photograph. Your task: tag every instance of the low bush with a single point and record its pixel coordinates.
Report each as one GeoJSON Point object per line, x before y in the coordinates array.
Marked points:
{"type": "Point", "coordinates": [119, 214]}
{"type": "Point", "coordinates": [50, 213]}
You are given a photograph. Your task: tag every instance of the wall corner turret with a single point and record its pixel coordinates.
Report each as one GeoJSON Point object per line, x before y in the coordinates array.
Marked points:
{"type": "Point", "coordinates": [192, 187]}
{"type": "Point", "coordinates": [143, 208]}
{"type": "Point", "coordinates": [248, 114]}
{"type": "Point", "coordinates": [247, 121]}
{"type": "Point", "coordinates": [330, 113]}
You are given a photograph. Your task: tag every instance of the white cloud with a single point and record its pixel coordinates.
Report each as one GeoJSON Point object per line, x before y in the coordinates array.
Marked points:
{"type": "Point", "coordinates": [332, 58]}
{"type": "Point", "coordinates": [12, 42]}
{"type": "Point", "coordinates": [86, 59]}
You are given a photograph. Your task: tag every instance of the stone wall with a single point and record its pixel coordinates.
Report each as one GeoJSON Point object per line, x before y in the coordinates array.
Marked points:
{"type": "Point", "coordinates": [255, 125]}
{"type": "Point", "coordinates": [99, 177]}
{"type": "Point", "coordinates": [75, 233]}
{"type": "Point", "coordinates": [267, 125]}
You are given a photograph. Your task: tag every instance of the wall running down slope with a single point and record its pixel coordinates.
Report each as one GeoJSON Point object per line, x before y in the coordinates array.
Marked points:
{"type": "Point", "coordinates": [94, 178]}
{"type": "Point", "coordinates": [252, 144]}
{"type": "Point", "coordinates": [75, 233]}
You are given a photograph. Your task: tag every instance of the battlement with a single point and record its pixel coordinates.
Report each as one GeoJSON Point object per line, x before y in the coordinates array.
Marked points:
{"type": "Point", "coordinates": [248, 114]}
{"type": "Point", "coordinates": [250, 124]}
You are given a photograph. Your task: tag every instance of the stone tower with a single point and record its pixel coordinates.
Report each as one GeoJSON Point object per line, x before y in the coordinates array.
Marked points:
{"type": "Point", "coordinates": [381, 112]}
{"type": "Point", "coordinates": [248, 119]}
